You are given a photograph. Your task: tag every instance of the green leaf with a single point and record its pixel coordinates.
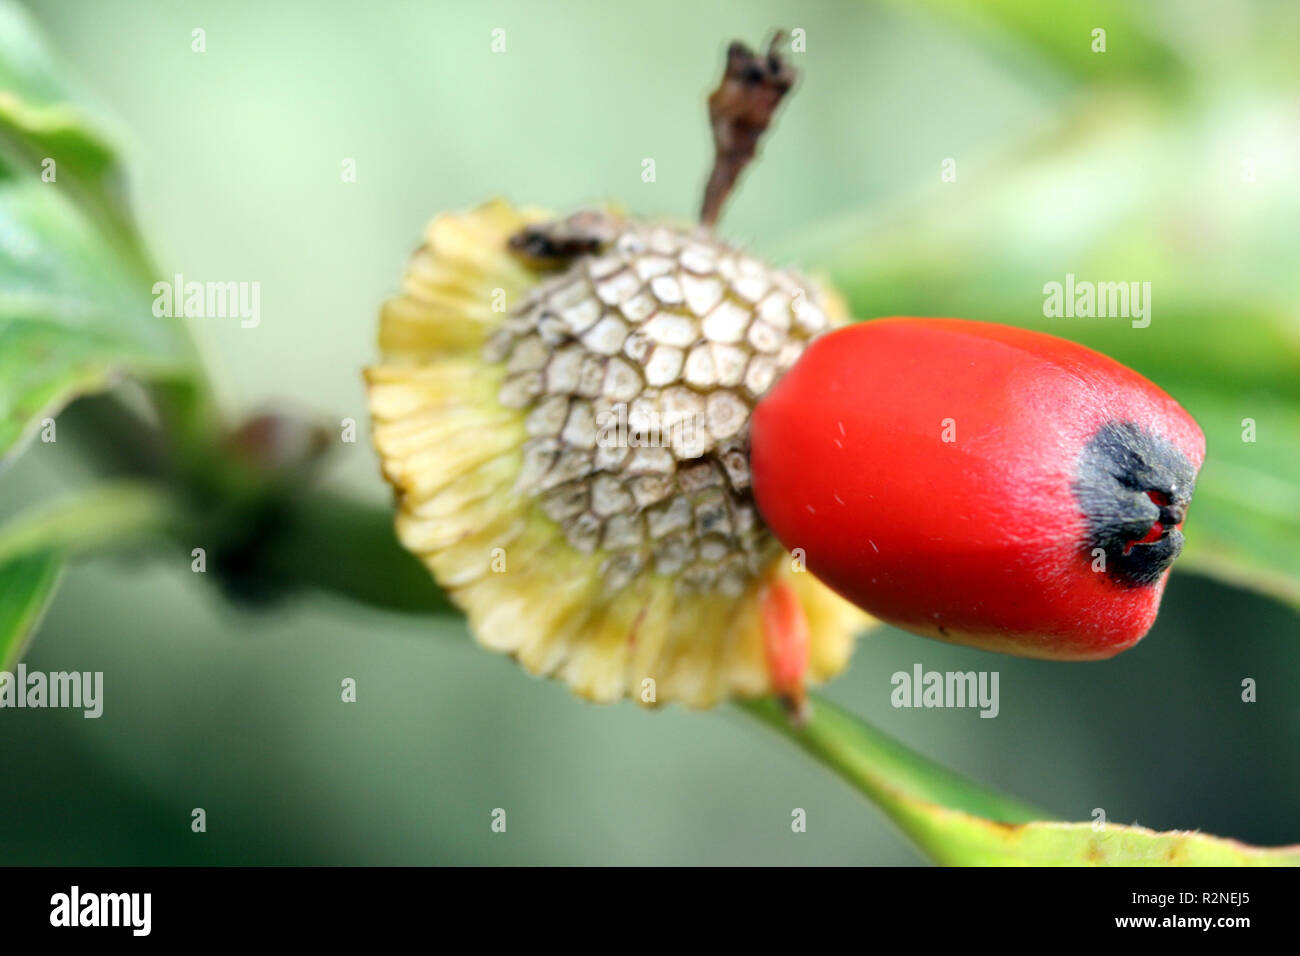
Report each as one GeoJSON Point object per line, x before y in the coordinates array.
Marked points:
{"type": "Point", "coordinates": [74, 316]}
{"type": "Point", "coordinates": [1136, 49]}
{"type": "Point", "coordinates": [40, 121]}
{"type": "Point", "coordinates": [955, 838]}
{"type": "Point", "coordinates": [1246, 511]}
{"type": "Point", "coordinates": [75, 288]}
{"type": "Point", "coordinates": [26, 585]}
{"type": "Point", "coordinates": [959, 822]}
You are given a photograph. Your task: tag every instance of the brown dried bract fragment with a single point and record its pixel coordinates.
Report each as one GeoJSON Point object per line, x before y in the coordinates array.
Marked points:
{"type": "Point", "coordinates": [740, 110]}
{"type": "Point", "coordinates": [555, 244]}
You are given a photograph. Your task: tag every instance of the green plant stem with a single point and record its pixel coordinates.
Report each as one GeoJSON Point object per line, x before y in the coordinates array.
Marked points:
{"type": "Point", "coordinates": [881, 768]}
{"type": "Point", "coordinates": [337, 544]}
{"type": "Point", "coordinates": [111, 517]}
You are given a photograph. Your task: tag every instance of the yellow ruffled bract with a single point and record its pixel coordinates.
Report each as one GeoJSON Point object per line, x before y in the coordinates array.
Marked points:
{"type": "Point", "coordinates": [453, 454]}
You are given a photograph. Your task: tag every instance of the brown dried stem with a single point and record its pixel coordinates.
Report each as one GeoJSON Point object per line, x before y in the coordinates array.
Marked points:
{"type": "Point", "coordinates": [740, 110]}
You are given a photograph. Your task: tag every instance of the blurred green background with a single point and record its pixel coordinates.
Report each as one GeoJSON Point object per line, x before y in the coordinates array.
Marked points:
{"type": "Point", "coordinates": [1100, 164]}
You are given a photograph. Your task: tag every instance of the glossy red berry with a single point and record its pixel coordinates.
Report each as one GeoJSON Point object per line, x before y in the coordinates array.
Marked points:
{"type": "Point", "coordinates": [979, 483]}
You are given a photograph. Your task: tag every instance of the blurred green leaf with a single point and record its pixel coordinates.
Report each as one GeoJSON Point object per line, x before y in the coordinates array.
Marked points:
{"type": "Point", "coordinates": [1246, 510]}
{"type": "Point", "coordinates": [1104, 198]}
{"type": "Point", "coordinates": [40, 121]}
{"type": "Point", "coordinates": [1136, 48]}
{"type": "Point", "coordinates": [75, 288]}
{"type": "Point", "coordinates": [26, 585]}
{"type": "Point", "coordinates": [962, 823]}
{"type": "Point", "coordinates": [74, 315]}
{"type": "Point", "coordinates": [955, 838]}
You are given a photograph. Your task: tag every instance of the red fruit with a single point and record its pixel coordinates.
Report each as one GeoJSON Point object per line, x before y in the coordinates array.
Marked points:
{"type": "Point", "coordinates": [979, 483]}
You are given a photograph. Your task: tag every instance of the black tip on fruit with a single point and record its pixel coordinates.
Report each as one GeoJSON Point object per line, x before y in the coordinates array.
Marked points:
{"type": "Point", "coordinates": [1134, 488]}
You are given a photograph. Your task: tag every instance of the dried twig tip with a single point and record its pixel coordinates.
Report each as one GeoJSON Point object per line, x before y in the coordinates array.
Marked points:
{"type": "Point", "coordinates": [740, 110]}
